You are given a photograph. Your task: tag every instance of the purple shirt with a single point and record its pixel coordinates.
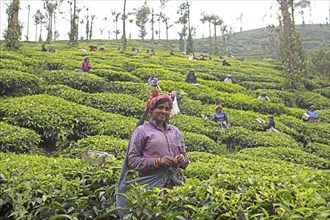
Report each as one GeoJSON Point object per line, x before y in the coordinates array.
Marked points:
{"type": "Point", "coordinates": [149, 142]}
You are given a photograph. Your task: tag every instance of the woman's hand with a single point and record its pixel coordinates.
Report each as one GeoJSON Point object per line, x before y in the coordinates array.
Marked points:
{"type": "Point", "coordinates": [168, 161]}
{"type": "Point", "coordinates": [180, 158]}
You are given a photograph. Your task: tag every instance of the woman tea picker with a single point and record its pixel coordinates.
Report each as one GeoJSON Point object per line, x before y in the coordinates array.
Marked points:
{"type": "Point", "coordinates": [156, 150]}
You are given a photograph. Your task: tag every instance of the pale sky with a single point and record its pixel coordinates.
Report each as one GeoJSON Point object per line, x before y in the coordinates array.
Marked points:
{"type": "Point", "coordinates": [256, 14]}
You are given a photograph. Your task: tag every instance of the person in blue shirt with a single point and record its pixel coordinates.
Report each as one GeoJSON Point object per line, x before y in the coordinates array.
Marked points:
{"type": "Point", "coordinates": [220, 117]}
{"type": "Point", "coordinates": [314, 116]}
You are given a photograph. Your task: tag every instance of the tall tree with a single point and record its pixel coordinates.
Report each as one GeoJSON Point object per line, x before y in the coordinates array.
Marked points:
{"type": "Point", "coordinates": [74, 20]}
{"type": "Point", "coordinates": [227, 34]}
{"type": "Point", "coordinates": [184, 21]}
{"type": "Point", "coordinates": [51, 6]}
{"type": "Point", "coordinates": [37, 18]}
{"type": "Point", "coordinates": [13, 33]}
{"type": "Point", "coordinates": [152, 21]}
{"type": "Point", "coordinates": [291, 47]}
{"type": "Point", "coordinates": [82, 21]}
{"type": "Point", "coordinates": [167, 26]}
{"type": "Point", "coordinates": [130, 27]}
{"type": "Point", "coordinates": [208, 18]}
{"type": "Point", "coordinates": [216, 21]}
{"type": "Point", "coordinates": [116, 18]}
{"type": "Point", "coordinates": [302, 5]}
{"type": "Point", "coordinates": [141, 18]}
{"type": "Point", "coordinates": [105, 26]}
{"type": "Point", "coordinates": [28, 23]}
{"type": "Point", "coordinates": [240, 17]}
{"type": "Point", "coordinates": [91, 28]}
{"type": "Point", "coordinates": [124, 39]}
{"type": "Point", "coordinates": [87, 24]}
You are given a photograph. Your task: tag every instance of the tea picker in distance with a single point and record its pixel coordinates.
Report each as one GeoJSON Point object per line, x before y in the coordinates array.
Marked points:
{"type": "Point", "coordinates": [228, 79]}
{"type": "Point", "coordinates": [313, 115]}
{"type": "Point", "coordinates": [191, 78]}
{"type": "Point", "coordinates": [263, 97]}
{"type": "Point", "coordinates": [156, 151]}
{"type": "Point", "coordinates": [85, 65]}
{"type": "Point", "coordinates": [220, 117]}
{"type": "Point", "coordinates": [153, 81]}
{"type": "Point", "coordinates": [270, 127]}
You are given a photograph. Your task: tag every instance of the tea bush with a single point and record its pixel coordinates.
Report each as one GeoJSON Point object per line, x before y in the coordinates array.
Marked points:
{"type": "Point", "coordinates": [17, 83]}
{"type": "Point", "coordinates": [111, 75]}
{"type": "Point", "coordinates": [286, 154]}
{"type": "Point", "coordinates": [17, 139]}
{"type": "Point", "coordinates": [78, 80]}
{"type": "Point", "coordinates": [198, 142]}
{"type": "Point", "coordinates": [58, 120]}
{"type": "Point", "coordinates": [108, 102]}
{"type": "Point", "coordinates": [108, 144]}
{"type": "Point", "coordinates": [232, 188]}
{"type": "Point", "coordinates": [39, 187]}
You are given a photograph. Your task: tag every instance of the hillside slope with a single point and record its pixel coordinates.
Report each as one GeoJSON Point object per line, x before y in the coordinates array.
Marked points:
{"type": "Point", "coordinates": [49, 113]}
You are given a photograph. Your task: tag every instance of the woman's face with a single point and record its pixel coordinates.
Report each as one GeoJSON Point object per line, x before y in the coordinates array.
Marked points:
{"type": "Point", "coordinates": [219, 110]}
{"type": "Point", "coordinates": [161, 112]}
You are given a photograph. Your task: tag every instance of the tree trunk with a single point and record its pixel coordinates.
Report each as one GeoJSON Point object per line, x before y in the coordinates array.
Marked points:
{"type": "Point", "coordinates": [124, 28]}
{"type": "Point", "coordinates": [28, 22]}
{"type": "Point", "coordinates": [14, 19]}
{"type": "Point", "coordinates": [210, 40]}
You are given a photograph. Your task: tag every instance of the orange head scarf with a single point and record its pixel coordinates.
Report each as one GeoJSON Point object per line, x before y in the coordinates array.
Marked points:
{"type": "Point", "coordinates": [154, 98]}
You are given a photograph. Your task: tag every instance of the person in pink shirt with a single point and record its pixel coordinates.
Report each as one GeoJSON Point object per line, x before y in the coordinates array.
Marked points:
{"type": "Point", "coordinates": [156, 151]}
{"type": "Point", "coordinates": [85, 65]}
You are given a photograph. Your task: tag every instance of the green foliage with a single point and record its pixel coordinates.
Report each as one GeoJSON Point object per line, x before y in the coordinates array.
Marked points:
{"type": "Point", "coordinates": [274, 181]}
{"type": "Point", "coordinates": [141, 19]}
{"type": "Point", "coordinates": [17, 139]}
{"type": "Point", "coordinates": [60, 121]}
{"type": "Point", "coordinates": [323, 91]}
{"type": "Point", "coordinates": [108, 102]}
{"type": "Point", "coordinates": [139, 90]}
{"type": "Point", "coordinates": [13, 33]}
{"type": "Point", "coordinates": [233, 188]}
{"type": "Point", "coordinates": [239, 138]}
{"type": "Point", "coordinates": [12, 39]}
{"type": "Point", "coordinates": [14, 83]}
{"type": "Point", "coordinates": [321, 150]}
{"type": "Point", "coordinates": [78, 80]}
{"type": "Point", "coordinates": [39, 187]}
{"type": "Point", "coordinates": [198, 142]}
{"type": "Point", "coordinates": [319, 64]}
{"type": "Point", "coordinates": [108, 144]}
{"type": "Point", "coordinates": [115, 75]}
{"type": "Point", "coordinates": [286, 154]}
{"type": "Point", "coordinates": [306, 132]}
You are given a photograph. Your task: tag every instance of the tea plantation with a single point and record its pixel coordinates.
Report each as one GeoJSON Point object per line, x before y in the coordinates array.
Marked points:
{"type": "Point", "coordinates": [49, 113]}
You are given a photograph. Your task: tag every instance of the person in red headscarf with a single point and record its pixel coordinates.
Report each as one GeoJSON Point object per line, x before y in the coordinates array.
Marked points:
{"type": "Point", "coordinates": [156, 150]}
{"type": "Point", "coordinates": [85, 65]}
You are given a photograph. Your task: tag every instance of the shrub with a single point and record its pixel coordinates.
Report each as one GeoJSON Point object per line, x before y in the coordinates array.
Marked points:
{"type": "Point", "coordinates": [108, 144]}
{"type": "Point", "coordinates": [108, 102]}
{"type": "Point", "coordinates": [240, 138]}
{"type": "Point", "coordinates": [12, 65]}
{"type": "Point", "coordinates": [112, 75]}
{"type": "Point", "coordinates": [78, 80]}
{"type": "Point", "coordinates": [286, 154]}
{"type": "Point", "coordinates": [17, 139]}
{"type": "Point", "coordinates": [59, 121]}
{"type": "Point", "coordinates": [41, 188]}
{"type": "Point", "coordinates": [306, 132]}
{"type": "Point", "coordinates": [198, 142]}
{"type": "Point", "coordinates": [321, 150]}
{"type": "Point", "coordinates": [16, 83]}
{"type": "Point", "coordinates": [139, 90]}
{"type": "Point", "coordinates": [323, 91]}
